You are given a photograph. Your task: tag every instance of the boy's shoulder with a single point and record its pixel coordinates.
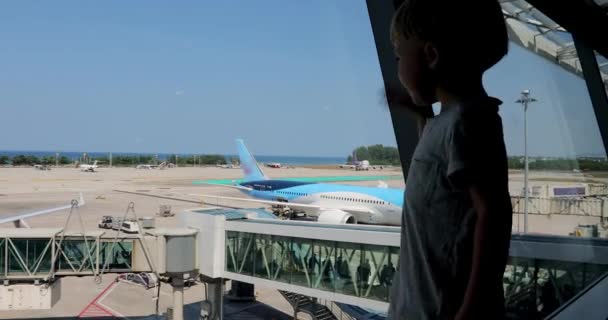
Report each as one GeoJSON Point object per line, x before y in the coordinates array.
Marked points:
{"type": "Point", "coordinates": [481, 106]}
{"type": "Point", "coordinates": [478, 113]}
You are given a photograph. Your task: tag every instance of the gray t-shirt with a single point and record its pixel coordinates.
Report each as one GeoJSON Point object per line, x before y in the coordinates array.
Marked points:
{"type": "Point", "coordinates": [461, 144]}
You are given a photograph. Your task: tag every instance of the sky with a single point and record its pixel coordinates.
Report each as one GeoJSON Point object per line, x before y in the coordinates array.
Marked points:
{"type": "Point", "coordinates": [291, 78]}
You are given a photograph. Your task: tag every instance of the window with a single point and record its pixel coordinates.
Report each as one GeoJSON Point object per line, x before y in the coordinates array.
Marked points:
{"type": "Point", "coordinates": [566, 157]}
{"type": "Point", "coordinates": [546, 106]}
{"type": "Point", "coordinates": [602, 63]}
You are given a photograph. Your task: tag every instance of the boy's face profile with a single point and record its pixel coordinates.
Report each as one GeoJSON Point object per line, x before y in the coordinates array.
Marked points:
{"type": "Point", "coordinates": [416, 61]}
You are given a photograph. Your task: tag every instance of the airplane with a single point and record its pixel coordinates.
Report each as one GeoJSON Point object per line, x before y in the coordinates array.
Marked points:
{"type": "Point", "coordinates": [164, 165]}
{"type": "Point", "coordinates": [19, 220]}
{"type": "Point", "coordinates": [356, 164]}
{"type": "Point", "coordinates": [330, 203]}
{"type": "Point", "coordinates": [88, 167]}
{"type": "Point", "coordinates": [274, 165]}
{"type": "Point", "coordinates": [146, 166]}
{"type": "Point", "coordinates": [229, 166]}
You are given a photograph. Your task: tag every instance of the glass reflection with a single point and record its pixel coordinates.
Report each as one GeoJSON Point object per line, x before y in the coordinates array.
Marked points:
{"type": "Point", "coordinates": [532, 287]}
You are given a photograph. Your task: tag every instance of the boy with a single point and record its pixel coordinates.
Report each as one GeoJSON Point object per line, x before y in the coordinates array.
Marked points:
{"type": "Point", "coordinates": [456, 221]}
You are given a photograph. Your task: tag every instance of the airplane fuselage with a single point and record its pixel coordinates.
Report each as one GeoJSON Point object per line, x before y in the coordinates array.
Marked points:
{"type": "Point", "coordinates": [384, 204]}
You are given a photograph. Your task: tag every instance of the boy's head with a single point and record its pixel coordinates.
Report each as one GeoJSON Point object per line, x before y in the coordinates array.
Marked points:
{"type": "Point", "coordinates": [446, 43]}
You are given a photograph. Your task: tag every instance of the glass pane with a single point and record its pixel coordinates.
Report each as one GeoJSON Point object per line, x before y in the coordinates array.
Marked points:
{"type": "Point", "coordinates": [535, 288]}
{"type": "Point", "coordinates": [263, 256]}
{"type": "Point", "coordinates": [379, 271]}
{"type": "Point", "coordinates": [348, 263]}
{"type": "Point", "coordinates": [306, 262]}
{"type": "Point", "coordinates": [39, 255]}
{"type": "Point", "coordinates": [393, 266]}
{"type": "Point", "coordinates": [2, 253]}
{"type": "Point", "coordinates": [231, 242]}
{"type": "Point", "coordinates": [17, 256]}
{"type": "Point", "coordinates": [283, 260]}
{"type": "Point", "coordinates": [114, 257]}
{"type": "Point", "coordinates": [548, 117]}
{"type": "Point", "coordinates": [557, 162]}
{"type": "Point", "coordinates": [324, 276]}
{"type": "Point", "coordinates": [243, 253]}
{"type": "Point", "coordinates": [75, 251]}
{"type": "Point", "coordinates": [602, 63]}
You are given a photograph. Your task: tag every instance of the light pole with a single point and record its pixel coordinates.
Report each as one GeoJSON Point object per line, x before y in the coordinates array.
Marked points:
{"type": "Point", "coordinates": [525, 99]}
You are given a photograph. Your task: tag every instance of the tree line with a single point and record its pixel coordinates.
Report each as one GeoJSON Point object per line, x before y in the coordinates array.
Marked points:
{"type": "Point", "coordinates": [118, 160]}
{"type": "Point", "coordinates": [583, 164]}
{"type": "Point", "coordinates": [377, 154]}
{"type": "Point", "coordinates": [30, 160]}
{"type": "Point", "coordinates": [384, 155]}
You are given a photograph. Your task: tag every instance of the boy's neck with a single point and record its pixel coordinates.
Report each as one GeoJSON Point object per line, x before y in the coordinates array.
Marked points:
{"type": "Point", "coordinates": [459, 93]}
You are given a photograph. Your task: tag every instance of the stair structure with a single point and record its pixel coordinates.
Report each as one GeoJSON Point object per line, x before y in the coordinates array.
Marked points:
{"type": "Point", "coordinates": [302, 303]}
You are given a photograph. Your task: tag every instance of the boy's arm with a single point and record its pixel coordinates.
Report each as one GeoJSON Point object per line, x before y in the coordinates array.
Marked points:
{"type": "Point", "coordinates": [491, 242]}
{"type": "Point", "coordinates": [398, 97]}
{"type": "Point", "coordinates": [477, 165]}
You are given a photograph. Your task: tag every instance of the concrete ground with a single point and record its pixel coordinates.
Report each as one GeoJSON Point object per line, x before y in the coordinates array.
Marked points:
{"type": "Point", "coordinates": [26, 189]}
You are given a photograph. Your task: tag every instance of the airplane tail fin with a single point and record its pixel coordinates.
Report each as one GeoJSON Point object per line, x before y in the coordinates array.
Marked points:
{"type": "Point", "coordinates": [250, 167]}
{"type": "Point", "coordinates": [95, 162]}
{"type": "Point", "coordinates": [355, 160]}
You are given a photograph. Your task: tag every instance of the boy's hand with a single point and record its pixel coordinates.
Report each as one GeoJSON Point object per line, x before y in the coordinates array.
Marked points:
{"type": "Point", "coordinates": [398, 97]}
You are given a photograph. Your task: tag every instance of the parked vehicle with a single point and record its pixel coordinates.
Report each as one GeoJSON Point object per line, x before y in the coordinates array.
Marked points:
{"type": "Point", "coordinates": [164, 210]}
{"type": "Point", "coordinates": [129, 227]}
{"type": "Point", "coordinates": [106, 222]}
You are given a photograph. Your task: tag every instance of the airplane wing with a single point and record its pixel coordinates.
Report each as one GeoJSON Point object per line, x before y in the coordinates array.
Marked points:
{"type": "Point", "coordinates": [289, 204]}
{"type": "Point", "coordinates": [39, 213]}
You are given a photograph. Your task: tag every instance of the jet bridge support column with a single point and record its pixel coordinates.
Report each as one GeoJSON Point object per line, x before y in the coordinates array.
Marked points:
{"type": "Point", "coordinates": [177, 283]}
{"type": "Point", "coordinates": [212, 308]}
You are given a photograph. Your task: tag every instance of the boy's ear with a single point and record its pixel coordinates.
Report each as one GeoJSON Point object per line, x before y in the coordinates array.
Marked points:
{"type": "Point", "coordinates": [432, 55]}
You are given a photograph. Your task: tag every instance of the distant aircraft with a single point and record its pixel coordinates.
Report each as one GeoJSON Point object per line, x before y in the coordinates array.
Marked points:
{"type": "Point", "coordinates": [275, 165]}
{"type": "Point", "coordinates": [146, 167]}
{"type": "Point", "coordinates": [331, 203]}
{"type": "Point", "coordinates": [356, 164]}
{"type": "Point", "coordinates": [19, 221]}
{"type": "Point", "coordinates": [42, 167]}
{"type": "Point", "coordinates": [229, 166]}
{"type": "Point", "coordinates": [88, 167]}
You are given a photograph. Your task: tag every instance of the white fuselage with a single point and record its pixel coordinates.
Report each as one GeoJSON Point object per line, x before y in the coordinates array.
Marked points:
{"type": "Point", "coordinates": [367, 204]}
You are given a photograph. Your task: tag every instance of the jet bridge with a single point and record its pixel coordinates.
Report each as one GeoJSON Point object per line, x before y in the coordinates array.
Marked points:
{"type": "Point", "coordinates": [354, 264]}
{"type": "Point", "coordinates": [546, 277]}
{"type": "Point", "coordinates": [41, 254]}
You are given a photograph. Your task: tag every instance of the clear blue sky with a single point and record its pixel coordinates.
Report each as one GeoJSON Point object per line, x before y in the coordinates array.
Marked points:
{"type": "Point", "coordinates": [291, 78]}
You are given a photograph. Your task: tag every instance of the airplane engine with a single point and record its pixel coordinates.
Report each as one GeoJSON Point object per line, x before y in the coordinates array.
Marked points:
{"type": "Point", "coordinates": [335, 216]}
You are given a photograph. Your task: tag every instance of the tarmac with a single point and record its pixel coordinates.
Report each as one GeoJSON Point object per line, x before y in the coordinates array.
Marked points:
{"type": "Point", "coordinates": [26, 189]}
